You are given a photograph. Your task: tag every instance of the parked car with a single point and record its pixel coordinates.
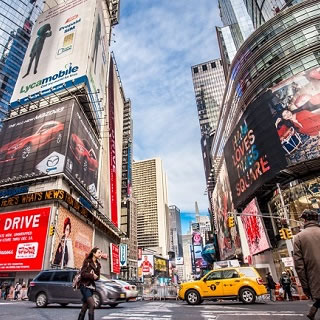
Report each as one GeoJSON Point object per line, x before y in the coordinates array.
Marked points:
{"type": "Point", "coordinates": [84, 153]}
{"type": "Point", "coordinates": [243, 283]}
{"type": "Point", "coordinates": [55, 286]}
{"type": "Point", "coordinates": [130, 289]}
{"type": "Point", "coordinates": [30, 142]}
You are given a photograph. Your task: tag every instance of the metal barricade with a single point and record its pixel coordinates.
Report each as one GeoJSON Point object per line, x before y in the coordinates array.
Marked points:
{"type": "Point", "coordinates": [160, 292]}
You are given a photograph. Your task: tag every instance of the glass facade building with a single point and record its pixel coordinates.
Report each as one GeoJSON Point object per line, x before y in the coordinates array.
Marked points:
{"type": "Point", "coordinates": [17, 18]}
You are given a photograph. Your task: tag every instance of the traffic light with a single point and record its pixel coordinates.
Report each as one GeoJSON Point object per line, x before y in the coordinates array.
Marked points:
{"type": "Point", "coordinates": [51, 231]}
{"type": "Point", "coordinates": [231, 222]}
{"type": "Point", "coordinates": [283, 234]}
{"type": "Point", "coordinates": [289, 234]}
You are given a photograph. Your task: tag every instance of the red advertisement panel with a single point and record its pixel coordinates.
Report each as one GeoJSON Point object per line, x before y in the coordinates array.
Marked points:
{"type": "Point", "coordinates": [115, 258]}
{"type": "Point", "coordinates": [23, 239]}
{"type": "Point", "coordinates": [112, 150]}
{"type": "Point", "coordinates": [255, 232]}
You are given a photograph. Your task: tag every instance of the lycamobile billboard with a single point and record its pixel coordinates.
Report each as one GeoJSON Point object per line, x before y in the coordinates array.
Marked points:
{"type": "Point", "coordinates": [56, 59]}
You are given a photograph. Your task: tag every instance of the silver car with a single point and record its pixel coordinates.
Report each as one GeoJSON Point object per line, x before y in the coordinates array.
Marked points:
{"type": "Point", "coordinates": [130, 289]}
{"type": "Point", "coordinates": [55, 286]}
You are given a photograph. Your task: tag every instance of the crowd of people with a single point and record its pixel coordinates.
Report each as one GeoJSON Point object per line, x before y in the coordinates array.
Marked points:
{"type": "Point", "coordinates": [13, 292]}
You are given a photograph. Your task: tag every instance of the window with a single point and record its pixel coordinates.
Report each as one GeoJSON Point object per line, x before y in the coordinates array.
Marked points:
{"type": "Point", "coordinates": [229, 274]}
{"type": "Point", "coordinates": [213, 65]}
{"type": "Point", "coordinates": [62, 276]}
{"type": "Point", "coordinates": [44, 276]}
{"type": "Point", "coordinates": [204, 67]}
{"type": "Point", "coordinates": [248, 272]}
{"type": "Point", "coordinates": [195, 70]}
{"type": "Point", "coordinates": [216, 275]}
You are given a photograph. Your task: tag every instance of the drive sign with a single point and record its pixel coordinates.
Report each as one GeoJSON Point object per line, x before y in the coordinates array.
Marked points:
{"type": "Point", "coordinates": [123, 255]}
{"type": "Point", "coordinates": [23, 239]}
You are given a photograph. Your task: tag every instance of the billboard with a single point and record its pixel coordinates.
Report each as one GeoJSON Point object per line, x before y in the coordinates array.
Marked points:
{"type": "Point", "coordinates": [72, 240]}
{"type": "Point", "coordinates": [56, 58]}
{"type": "Point", "coordinates": [123, 254]}
{"type": "Point", "coordinates": [179, 260]}
{"type": "Point", "coordinates": [146, 264]}
{"type": "Point", "coordinates": [115, 258]}
{"type": "Point", "coordinates": [23, 237]}
{"type": "Point", "coordinates": [295, 109]}
{"type": "Point", "coordinates": [228, 238]}
{"type": "Point", "coordinates": [35, 142]}
{"type": "Point", "coordinates": [82, 158]}
{"type": "Point", "coordinates": [112, 148]}
{"type": "Point", "coordinates": [253, 153]}
{"type": "Point", "coordinates": [161, 265]}
{"type": "Point", "coordinates": [256, 235]}
{"type": "Point", "coordinates": [48, 141]}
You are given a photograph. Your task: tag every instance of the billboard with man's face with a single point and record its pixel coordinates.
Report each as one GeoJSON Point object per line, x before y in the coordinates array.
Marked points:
{"type": "Point", "coordinates": [52, 140]}
{"type": "Point", "coordinates": [146, 264]}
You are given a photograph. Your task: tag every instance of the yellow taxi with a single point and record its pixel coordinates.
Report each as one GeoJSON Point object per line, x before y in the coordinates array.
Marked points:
{"type": "Point", "coordinates": [243, 283]}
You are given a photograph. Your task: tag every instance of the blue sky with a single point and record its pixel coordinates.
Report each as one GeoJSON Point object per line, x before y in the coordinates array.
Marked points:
{"type": "Point", "coordinates": [157, 42]}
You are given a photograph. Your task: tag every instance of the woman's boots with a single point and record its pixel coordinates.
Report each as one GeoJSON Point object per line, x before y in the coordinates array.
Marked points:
{"type": "Point", "coordinates": [91, 316]}
{"type": "Point", "coordinates": [81, 315]}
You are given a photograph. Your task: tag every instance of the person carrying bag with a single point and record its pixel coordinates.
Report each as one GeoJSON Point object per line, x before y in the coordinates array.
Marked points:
{"type": "Point", "coordinates": [90, 272]}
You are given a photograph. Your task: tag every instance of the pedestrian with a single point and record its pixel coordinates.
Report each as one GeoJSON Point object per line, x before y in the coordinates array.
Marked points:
{"type": "Point", "coordinates": [17, 290]}
{"type": "Point", "coordinates": [307, 260]}
{"type": "Point", "coordinates": [90, 272]}
{"type": "Point", "coordinates": [285, 283]}
{"type": "Point", "coordinates": [271, 285]}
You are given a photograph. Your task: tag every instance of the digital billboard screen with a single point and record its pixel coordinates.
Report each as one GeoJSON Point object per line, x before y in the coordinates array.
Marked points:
{"type": "Point", "coordinates": [295, 108]}
{"type": "Point", "coordinates": [23, 237]}
{"type": "Point", "coordinates": [35, 142]}
{"type": "Point", "coordinates": [228, 238]}
{"type": "Point", "coordinates": [253, 153]}
{"type": "Point", "coordinates": [256, 235]}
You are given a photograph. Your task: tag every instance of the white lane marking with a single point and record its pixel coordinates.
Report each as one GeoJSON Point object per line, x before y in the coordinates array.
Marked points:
{"type": "Point", "coordinates": [258, 314]}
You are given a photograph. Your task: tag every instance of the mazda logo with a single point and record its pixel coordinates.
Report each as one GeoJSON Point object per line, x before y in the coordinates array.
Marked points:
{"type": "Point", "coordinates": [52, 161]}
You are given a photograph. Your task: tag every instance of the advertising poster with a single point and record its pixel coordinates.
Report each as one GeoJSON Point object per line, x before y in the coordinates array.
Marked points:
{"type": "Point", "coordinates": [196, 238]}
{"type": "Point", "coordinates": [98, 62]}
{"type": "Point", "coordinates": [146, 264]}
{"type": "Point", "coordinates": [35, 142]}
{"type": "Point", "coordinates": [253, 153]}
{"type": "Point", "coordinates": [256, 235]}
{"type": "Point", "coordinates": [56, 56]}
{"type": "Point", "coordinates": [228, 238]}
{"type": "Point", "coordinates": [72, 240]}
{"type": "Point", "coordinates": [179, 260]}
{"type": "Point", "coordinates": [23, 236]}
{"type": "Point", "coordinates": [112, 149]}
{"type": "Point", "coordinates": [115, 258]}
{"type": "Point", "coordinates": [295, 108]}
{"type": "Point", "coordinates": [82, 160]}
{"type": "Point", "coordinates": [161, 265]}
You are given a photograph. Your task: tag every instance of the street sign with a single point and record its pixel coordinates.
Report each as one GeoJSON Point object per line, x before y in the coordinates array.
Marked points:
{"type": "Point", "coordinates": [123, 255]}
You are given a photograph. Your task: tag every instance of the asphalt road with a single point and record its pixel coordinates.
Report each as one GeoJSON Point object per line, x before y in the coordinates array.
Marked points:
{"type": "Point", "coordinates": [162, 310]}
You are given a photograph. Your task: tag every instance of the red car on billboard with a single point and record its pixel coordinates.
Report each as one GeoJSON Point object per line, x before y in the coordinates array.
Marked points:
{"type": "Point", "coordinates": [83, 153]}
{"type": "Point", "coordinates": [22, 146]}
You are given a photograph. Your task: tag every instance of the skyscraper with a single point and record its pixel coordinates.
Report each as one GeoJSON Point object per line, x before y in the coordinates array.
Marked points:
{"type": "Point", "coordinates": [150, 189]}
{"type": "Point", "coordinates": [16, 21]}
{"type": "Point", "coordinates": [175, 231]}
{"type": "Point", "coordinates": [209, 84]}
{"type": "Point", "coordinates": [237, 27]}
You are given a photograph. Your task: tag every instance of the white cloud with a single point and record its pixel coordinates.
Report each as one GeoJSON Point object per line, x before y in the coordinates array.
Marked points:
{"type": "Point", "coordinates": [156, 44]}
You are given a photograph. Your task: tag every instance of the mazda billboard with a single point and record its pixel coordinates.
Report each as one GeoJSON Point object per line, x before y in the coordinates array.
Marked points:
{"type": "Point", "coordinates": [52, 140]}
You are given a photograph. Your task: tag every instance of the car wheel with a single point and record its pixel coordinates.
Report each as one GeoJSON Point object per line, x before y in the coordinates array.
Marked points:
{"type": "Point", "coordinates": [97, 300]}
{"type": "Point", "coordinates": [193, 297]}
{"type": "Point", "coordinates": [26, 151]}
{"type": "Point", "coordinates": [85, 165]}
{"type": "Point", "coordinates": [247, 296]}
{"type": "Point", "coordinates": [59, 137]}
{"type": "Point", "coordinates": [113, 305]}
{"type": "Point", "coordinates": [63, 304]}
{"type": "Point", "coordinates": [41, 300]}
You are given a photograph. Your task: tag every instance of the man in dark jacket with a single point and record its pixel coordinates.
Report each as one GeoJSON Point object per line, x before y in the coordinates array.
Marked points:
{"type": "Point", "coordinates": [285, 283]}
{"type": "Point", "coordinates": [271, 285]}
{"type": "Point", "coordinates": [306, 259]}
